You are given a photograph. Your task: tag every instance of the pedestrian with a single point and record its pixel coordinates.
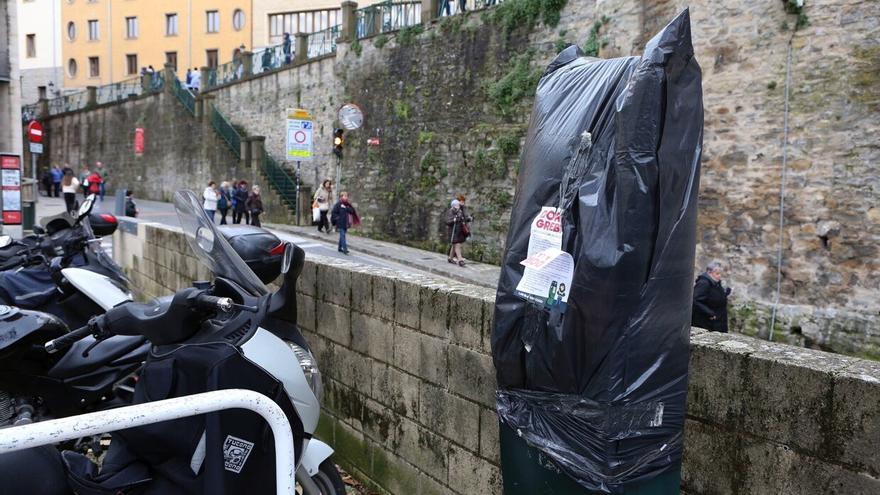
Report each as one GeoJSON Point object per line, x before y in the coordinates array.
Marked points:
{"type": "Point", "coordinates": [254, 206]}
{"type": "Point", "coordinates": [189, 78]}
{"type": "Point", "coordinates": [84, 180]}
{"type": "Point", "coordinates": [46, 181]}
{"type": "Point", "coordinates": [151, 70]}
{"type": "Point", "coordinates": [210, 198]}
{"type": "Point", "coordinates": [239, 203]}
{"type": "Point", "coordinates": [285, 48]}
{"type": "Point", "coordinates": [131, 209]}
{"type": "Point", "coordinates": [69, 186]}
{"type": "Point", "coordinates": [457, 231]}
{"type": "Point", "coordinates": [343, 217]}
{"type": "Point", "coordinates": [196, 81]}
{"type": "Point", "coordinates": [105, 174]}
{"type": "Point", "coordinates": [94, 182]}
{"type": "Point", "coordinates": [224, 201]}
{"type": "Point", "coordinates": [710, 300]}
{"type": "Point", "coordinates": [323, 197]}
{"type": "Point", "coordinates": [57, 175]}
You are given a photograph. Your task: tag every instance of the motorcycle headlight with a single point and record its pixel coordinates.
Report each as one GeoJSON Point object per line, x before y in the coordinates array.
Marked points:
{"type": "Point", "coordinates": [310, 368]}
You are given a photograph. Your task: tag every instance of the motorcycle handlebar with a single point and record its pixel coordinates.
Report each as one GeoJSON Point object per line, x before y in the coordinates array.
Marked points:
{"type": "Point", "coordinates": [65, 341]}
{"type": "Point", "coordinates": [224, 304]}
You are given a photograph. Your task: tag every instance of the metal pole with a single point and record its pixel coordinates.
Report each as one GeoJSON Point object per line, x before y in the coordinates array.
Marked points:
{"type": "Point", "coordinates": [338, 175]}
{"type": "Point", "coordinates": [34, 170]}
{"type": "Point", "coordinates": [73, 427]}
{"type": "Point", "coordinates": [297, 211]}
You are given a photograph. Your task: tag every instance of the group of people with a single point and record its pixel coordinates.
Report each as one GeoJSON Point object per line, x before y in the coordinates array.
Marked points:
{"type": "Point", "coordinates": [194, 79]}
{"type": "Point", "coordinates": [62, 181]}
{"type": "Point", "coordinates": [342, 215]}
{"type": "Point", "coordinates": [246, 203]}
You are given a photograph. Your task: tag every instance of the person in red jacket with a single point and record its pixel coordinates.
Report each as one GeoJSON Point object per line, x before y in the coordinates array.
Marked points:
{"type": "Point", "coordinates": [94, 182]}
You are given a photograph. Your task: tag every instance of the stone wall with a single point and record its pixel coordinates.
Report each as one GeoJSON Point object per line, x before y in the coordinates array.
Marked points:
{"type": "Point", "coordinates": [409, 385]}
{"type": "Point", "coordinates": [450, 102]}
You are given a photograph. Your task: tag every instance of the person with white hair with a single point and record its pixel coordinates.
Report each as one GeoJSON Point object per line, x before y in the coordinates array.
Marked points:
{"type": "Point", "coordinates": [710, 300]}
{"type": "Point", "coordinates": [457, 231]}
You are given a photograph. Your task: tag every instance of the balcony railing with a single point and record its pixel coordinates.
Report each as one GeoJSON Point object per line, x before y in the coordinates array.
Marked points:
{"type": "Point", "coordinates": [384, 17]}
{"type": "Point", "coordinates": [183, 94]}
{"type": "Point", "coordinates": [226, 131]}
{"type": "Point", "coordinates": [119, 91]}
{"type": "Point", "coordinates": [322, 42]}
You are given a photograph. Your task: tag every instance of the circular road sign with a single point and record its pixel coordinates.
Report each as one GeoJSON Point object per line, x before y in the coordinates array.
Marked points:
{"type": "Point", "coordinates": [35, 132]}
{"type": "Point", "coordinates": [351, 116]}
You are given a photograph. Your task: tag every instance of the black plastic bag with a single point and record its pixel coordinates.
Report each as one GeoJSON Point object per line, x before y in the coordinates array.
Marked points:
{"type": "Point", "coordinates": [599, 383]}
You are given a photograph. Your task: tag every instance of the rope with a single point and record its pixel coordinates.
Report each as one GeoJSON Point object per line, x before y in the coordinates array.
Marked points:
{"type": "Point", "coordinates": [782, 196]}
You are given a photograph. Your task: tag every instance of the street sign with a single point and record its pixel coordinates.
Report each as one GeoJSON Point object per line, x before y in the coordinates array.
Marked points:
{"type": "Point", "coordinates": [351, 117]}
{"type": "Point", "coordinates": [10, 181]}
{"type": "Point", "coordinates": [139, 141]}
{"type": "Point", "coordinates": [36, 148]}
{"type": "Point", "coordinates": [35, 132]}
{"type": "Point", "coordinates": [299, 135]}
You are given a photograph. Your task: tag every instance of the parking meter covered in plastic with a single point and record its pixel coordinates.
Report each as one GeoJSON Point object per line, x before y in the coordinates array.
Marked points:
{"type": "Point", "coordinates": [593, 306]}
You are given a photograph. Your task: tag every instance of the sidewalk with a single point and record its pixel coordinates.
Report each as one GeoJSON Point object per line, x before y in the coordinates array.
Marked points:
{"type": "Point", "coordinates": [473, 273]}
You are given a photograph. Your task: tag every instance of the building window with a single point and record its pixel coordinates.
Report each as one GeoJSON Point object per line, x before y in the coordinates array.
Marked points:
{"type": "Point", "coordinates": [71, 31]}
{"type": "Point", "coordinates": [238, 19]}
{"type": "Point", "coordinates": [211, 58]}
{"type": "Point", "coordinates": [31, 45]}
{"type": "Point", "coordinates": [213, 18]}
{"type": "Point", "coordinates": [131, 64]}
{"type": "Point", "coordinates": [41, 91]}
{"type": "Point", "coordinates": [94, 67]}
{"type": "Point", "coordinates": [131, 27]}
{"type": "Point", "coordinates": [71, 68]}
{"type": "Point", "coordinates": [301, 22]}
{"type": "Point", "coordinates": [94, 33]}
{"type": "Point", "coordinates": [170, 24]}
{"type": "Point", "coordinates": [171, 58]}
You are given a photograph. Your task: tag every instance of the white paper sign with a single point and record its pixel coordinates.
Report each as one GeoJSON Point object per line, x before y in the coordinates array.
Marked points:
{"type": "Point", "coordinates": [547, 278]}
{"type": "Point", "coordinates": [546, 231]}
{"type": "Point", "coordinates": [299, 135]}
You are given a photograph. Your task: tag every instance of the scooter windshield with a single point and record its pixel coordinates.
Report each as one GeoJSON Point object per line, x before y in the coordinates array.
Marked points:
{"type": "Point", "coordinates": [211, 247]}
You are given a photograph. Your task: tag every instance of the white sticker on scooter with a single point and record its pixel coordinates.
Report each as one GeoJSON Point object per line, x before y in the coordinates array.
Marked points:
{"type": "Point", "coordinates": [235, 453]}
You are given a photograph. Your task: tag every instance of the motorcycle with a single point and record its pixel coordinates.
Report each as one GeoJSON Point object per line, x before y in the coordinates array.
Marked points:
{"type": "Point", "coordinates": [67, 274]}
{"type": "Point", "coordinates": [229, 333]}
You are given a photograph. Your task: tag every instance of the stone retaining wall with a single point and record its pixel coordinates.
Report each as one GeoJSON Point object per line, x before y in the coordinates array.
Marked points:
{"type": "Point", "coordinates": [409, 386]}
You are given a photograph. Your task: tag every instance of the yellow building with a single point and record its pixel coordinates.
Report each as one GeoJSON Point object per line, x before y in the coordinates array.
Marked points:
{"type": "Point", "coordinates": [106, 41]}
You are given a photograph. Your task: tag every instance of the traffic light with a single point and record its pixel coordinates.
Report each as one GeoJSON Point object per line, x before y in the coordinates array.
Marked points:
{"type": "Point", "coordinates": [338, 141]}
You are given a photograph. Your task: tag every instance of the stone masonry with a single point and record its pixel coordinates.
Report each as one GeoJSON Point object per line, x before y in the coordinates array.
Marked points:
{"type": "Point", "coordinates": [426, 95]}
{"type": "Point", "coordinates": [409, 386]}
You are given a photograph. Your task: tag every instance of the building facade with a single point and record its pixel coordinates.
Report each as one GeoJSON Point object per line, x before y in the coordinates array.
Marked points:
{"type": "Point", "coordinates": [10, 92]}
{"type": "Point", "coordinates": [273, 18]}
{"type": "Point", "coordinates": [106, 41]}
{"type": "Point", "coordinates": [39, 48]}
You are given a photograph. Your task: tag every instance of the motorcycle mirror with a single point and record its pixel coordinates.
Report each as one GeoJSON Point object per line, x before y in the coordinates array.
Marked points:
{"type": "Point", "coordinates": [287, 259]}
{"type": "Point", "coordinates": [85, 208]}
{"type": "Point", "coordinates": [205, 239]}
{"type": "Point", "coordinates": [6, 240]}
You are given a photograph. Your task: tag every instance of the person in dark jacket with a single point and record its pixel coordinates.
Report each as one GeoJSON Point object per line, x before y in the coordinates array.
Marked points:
{"type": "Point", "coordinates": [239, 203]}
{"type": "Point", "coordinates": [457, 231]}
{"type": "Point", "coordinates": [224, 201]}
{"type": "Point", "coordinates": [131, 209]}
{"type": "Point", "coordinates": [343, 217]}
{"type": "Point", "coordinates": [254, 206]}
{"type": "Point", "coordinates": [710, 300]}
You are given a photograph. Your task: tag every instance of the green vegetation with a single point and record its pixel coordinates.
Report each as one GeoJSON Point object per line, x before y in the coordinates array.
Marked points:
{"type": "Point", "coordinates": [561, 44]}
{"type": "Point", "coordinates": [380, 41]}
{"type": "Point", "coordinates": [771, 85]}
{"type": "Point", "coordinates": [593, 44]}
{"type": "Point", "coordinates": [513, 14]}
{"type": "Point", "coordinates": [357, 48]}
{"type": "Point", "coordinates": [401, 109]}
{"type": "Point", "coordinates": [452, 24]}
{"type": "Point", "coordinates": [426, 137]}
{"type": "Point", "coordinates": [519, 82]}
{"type": "Point", "coordinates": [409, 34]}
{"type": "Point", "coordinates": [509, 145]}
{"type": "Point", "coordinates": [795, 7]}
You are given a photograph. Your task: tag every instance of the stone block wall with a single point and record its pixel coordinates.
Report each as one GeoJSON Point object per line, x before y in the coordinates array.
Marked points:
{"type": "Point", "coordinates": [409, 386]}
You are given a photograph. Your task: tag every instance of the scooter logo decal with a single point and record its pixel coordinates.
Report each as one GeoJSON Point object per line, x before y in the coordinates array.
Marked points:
{"type": "Point", "coordinates": [235, 453]}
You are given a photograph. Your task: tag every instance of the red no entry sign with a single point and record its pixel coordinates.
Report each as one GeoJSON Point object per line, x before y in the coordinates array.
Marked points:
{"type": "Point", "coordinates": [35, 132]}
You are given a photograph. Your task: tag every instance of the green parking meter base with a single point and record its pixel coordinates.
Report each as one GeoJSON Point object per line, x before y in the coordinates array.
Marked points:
{"type": "Point", "coordinates": [28, 216]}
{"type": "Point", "coordinates": [524, 473]}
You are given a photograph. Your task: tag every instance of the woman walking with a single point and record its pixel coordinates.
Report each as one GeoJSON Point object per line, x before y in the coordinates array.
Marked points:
{"type": "Point", "coordinates": [224, 200]}
{"type": "Point", "coordinates": [69, 186]}
{"type": "Point", "coordinates": [255, 206]}
{"type": "Point", "coordinates": [210, 197]}
{"type": "Point", "coordinates": [239, 203]}
{"type": "Point", "coordinates": [457, 230]}
{"type": "Point", "coordinates": [322, 201]}
{"type": "Point", "coordinates": [343, 217]}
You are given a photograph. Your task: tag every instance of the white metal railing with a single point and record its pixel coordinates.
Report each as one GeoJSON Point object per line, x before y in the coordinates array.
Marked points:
{"type": "Point", "coordinates": [73, 427]}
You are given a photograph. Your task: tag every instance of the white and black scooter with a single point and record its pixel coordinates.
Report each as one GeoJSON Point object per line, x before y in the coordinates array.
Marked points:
{"type": "Point", "coordinates": [229, 333]}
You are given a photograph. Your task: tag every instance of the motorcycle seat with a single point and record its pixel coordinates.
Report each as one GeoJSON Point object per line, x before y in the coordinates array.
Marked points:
{"type": "Point", "coordinates": [73, 364]}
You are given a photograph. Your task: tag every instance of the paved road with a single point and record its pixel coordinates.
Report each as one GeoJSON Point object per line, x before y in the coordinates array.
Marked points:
{"type": "Point", "coordinates": [366, 251]}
